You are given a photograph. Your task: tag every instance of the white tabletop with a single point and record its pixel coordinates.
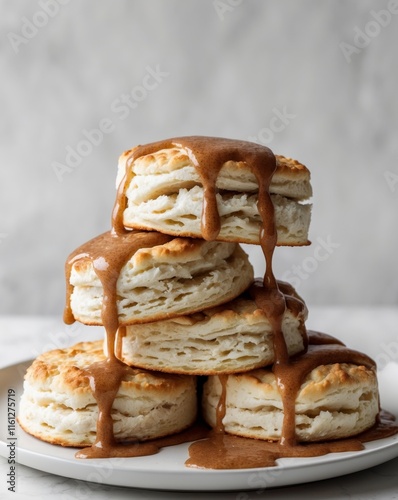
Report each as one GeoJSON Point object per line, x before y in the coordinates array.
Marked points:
{"type": "Point", "coordinates": [371, 330]}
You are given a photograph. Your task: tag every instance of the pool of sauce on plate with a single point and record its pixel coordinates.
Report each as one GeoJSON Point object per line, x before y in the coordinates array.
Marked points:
{"type": "Point", "coordinates": [225, 451]}
{"type": "Point", "coordinates": [108, 254]}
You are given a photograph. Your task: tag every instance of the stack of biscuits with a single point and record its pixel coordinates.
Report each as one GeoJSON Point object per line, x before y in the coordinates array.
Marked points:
{"type": "Point", "coordinates": [184, 313]}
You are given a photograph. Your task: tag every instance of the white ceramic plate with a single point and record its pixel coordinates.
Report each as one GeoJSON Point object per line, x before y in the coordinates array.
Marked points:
{"type": "Point", "coordinates": [166, 470]}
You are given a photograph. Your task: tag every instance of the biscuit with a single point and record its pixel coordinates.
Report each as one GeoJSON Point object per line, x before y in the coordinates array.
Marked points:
{"type": "Point", "coordinates": [58, 406]}
{"type": "Point", "coordinates": [234, 337]}
{"type": "Point", "coordinates": [179, 277]}
{"type": "Point", "coordinates": [165, 194]}
{"type": "Point", "coordinates": [335, 401]}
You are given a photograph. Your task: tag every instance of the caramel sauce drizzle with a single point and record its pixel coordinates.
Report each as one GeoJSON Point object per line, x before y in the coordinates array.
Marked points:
{"type": "Point", "coordinates": [222, 405]}
{"type": "Point", "coordinates": [110, 251]}
{"type": "Point", "coordinates": [225, 451]}
{"type": "Point", "coordinates": [208, 155]}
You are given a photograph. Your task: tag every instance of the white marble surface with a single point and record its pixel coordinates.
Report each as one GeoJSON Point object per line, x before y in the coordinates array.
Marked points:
{"type": "Point", "coordinates": [228, 68]}
{"type": "Point", "coordinates": [372, 330]}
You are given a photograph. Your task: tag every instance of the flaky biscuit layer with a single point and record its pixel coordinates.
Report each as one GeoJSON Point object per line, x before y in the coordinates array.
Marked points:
{"type": "Point", "coordinates": [58, 406]}
{"type": "Point", "coordinates": [234, 337]}
{"type": "Point", "coordinates": [335, 401]}
{"type": "Point", "coordinates": [180, 277]}
{"type": "Point", "coordinates": [165, 194]}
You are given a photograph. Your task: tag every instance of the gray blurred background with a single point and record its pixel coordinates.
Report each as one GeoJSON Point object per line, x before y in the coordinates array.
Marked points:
{"type": "Point", "coordinates": [81, 81]}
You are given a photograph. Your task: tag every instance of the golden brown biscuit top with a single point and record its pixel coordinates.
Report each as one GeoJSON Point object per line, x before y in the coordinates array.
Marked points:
{"type": "Point", "coordinates": [68, 369]}
{"type": "Point", "coordinates": [173, 158]}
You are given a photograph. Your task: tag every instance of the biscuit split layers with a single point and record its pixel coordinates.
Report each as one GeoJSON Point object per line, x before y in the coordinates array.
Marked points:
{"type": "Point", "coordinates": [182, 276]}
{"type": "Point", "coordinates": [231, 338]}
{"type": "Point", "coordinates": [58, 406]}
{"type": "Point", "coordinates": [165, 194]}
{"type": "Point", "coordinates": [335, 401]}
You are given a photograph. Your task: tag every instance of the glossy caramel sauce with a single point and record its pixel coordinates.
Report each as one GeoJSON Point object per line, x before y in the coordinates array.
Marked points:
{"type": "Point", "coordinates": [194, 433]}
{"type": "Point", "coordinates": [208, 155]}
{"type": "Point", "coordinates": [225, 451]}
{"type": "Point", "coordinates": [110, 251]}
